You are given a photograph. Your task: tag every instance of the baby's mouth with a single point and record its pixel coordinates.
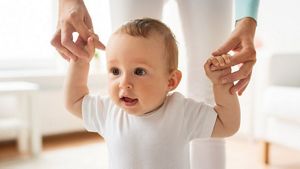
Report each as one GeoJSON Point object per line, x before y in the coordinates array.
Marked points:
{"type": "Point", "coordinates": [129, 101]}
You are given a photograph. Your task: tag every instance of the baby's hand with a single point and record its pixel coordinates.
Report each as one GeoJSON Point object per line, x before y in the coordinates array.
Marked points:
{"type": "Point", "coordinates": [90, 49]}
{"type": "Point", "coordinates": [216, 67]}
{"type": "Point", "coordinates": [219, 62]}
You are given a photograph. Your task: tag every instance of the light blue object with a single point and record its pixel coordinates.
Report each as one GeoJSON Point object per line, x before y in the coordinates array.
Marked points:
{"type": "Point", "coordinates": [246, 8]}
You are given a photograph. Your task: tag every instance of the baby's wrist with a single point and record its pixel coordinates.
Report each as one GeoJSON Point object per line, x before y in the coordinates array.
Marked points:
{"type": "Point", "coordinates": [80, 62]}
{"type": "Point", "coordinates": [217, 83]}
{"type": "Point", "coordinates": [222, 84]}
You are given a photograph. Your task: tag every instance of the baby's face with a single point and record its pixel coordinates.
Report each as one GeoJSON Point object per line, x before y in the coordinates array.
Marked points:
{"type": "Point", "coordinates": [138, 75]}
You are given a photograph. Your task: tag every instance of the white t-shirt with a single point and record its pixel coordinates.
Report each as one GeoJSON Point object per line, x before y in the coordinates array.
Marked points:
{"type": "Point", "coordinates": [158, 140]}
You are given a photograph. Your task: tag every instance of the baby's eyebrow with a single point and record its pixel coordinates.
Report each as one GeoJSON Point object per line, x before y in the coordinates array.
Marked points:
{"type": "Point", "coordinates": [143, 65]}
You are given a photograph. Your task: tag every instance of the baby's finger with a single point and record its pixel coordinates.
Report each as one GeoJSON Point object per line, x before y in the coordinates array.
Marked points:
{"type": "Point", "coordinates": [215, 61]}
{"type": "Point", "coordinates": [207, 66]}
{"type": "Point", "coordinates": [226, 58]}
{"type": "Point", "coordinates": [91, 46]}
{"type": "Point", "coordinates": [212, 67]}
{"type": "Point", "coordinates": [220, 60]}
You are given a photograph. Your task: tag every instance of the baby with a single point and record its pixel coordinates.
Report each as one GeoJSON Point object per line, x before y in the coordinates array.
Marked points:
{"type": "Point", "coordinates": [145, 125]}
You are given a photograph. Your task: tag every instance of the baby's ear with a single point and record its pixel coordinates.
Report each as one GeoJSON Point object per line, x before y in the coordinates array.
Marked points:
{"type": "Point", "coordinates": [174, 79]}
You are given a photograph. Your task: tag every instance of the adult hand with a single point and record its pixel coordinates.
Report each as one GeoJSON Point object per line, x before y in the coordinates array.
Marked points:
{"type": "Point", "coordinates": [241, 42]}
{"type": "Point", "coordinates": [74, 17]}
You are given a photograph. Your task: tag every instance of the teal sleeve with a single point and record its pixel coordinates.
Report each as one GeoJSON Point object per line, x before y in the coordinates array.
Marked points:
{"type": "Point", "coordinates": [246, 8]}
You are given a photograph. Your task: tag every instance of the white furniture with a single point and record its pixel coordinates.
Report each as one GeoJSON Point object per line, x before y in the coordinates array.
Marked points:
{"type": "Point", "coordinates": [48, 102]}
{"type": "Point", "coordinates": [278, 107]}
{"type": "Point", "coordinates": [25, 122]}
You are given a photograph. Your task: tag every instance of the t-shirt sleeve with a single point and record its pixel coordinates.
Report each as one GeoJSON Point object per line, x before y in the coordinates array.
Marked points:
{"type": "Point", "coordinates": [94, 112]}
{"type": "Point", "coordinates": [201, 119]}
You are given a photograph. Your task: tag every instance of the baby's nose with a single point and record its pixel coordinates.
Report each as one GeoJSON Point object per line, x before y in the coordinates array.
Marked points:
{"type": "Point", "coordinates": [125, 83]}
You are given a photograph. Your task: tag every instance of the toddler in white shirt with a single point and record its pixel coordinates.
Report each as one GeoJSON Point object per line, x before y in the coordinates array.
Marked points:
{"type": "Point", "coordinates": [145, 125]}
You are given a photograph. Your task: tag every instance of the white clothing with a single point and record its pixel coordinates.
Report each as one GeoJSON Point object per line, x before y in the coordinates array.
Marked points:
{"type": "Point", "coordinates": [158, 140]}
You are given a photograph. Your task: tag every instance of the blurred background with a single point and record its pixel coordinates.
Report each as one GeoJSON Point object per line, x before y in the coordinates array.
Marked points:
{"type": "Point", "coordinates": [37, 132]}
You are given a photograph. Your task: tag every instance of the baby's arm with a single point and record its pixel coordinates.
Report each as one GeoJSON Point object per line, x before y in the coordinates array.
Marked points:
{"type": "Point", "coordinates": [76, 82]}
{"type": "Point", "coordinates": [227, 104]}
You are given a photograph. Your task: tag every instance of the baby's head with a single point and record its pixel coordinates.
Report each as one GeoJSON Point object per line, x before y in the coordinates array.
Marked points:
{"type": "Point", "coordinates": [142, 60]}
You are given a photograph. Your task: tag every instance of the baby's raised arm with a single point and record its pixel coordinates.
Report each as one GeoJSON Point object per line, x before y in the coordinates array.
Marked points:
{"type": "Point", "coordinates": [227, 104]}
{"type": "Point", "coordinates": [75, 87]}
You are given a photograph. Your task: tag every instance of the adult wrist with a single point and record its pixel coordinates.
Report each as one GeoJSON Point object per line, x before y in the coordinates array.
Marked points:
{"type": "Point", "coordinates": [246, 26]}
{"type": "Point", "coordinates": [247, 20]}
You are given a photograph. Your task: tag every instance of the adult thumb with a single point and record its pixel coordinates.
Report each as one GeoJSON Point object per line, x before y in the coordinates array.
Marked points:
{"type": "Point", "coordinates": [226, 47]}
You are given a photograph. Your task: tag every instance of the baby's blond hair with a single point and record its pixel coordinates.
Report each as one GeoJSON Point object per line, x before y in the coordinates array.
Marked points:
{"type": "Point", "coordinates": [145, 27]}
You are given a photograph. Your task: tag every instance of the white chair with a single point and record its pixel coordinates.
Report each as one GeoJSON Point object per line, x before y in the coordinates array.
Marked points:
{"type": "Point", "coordinates": [278, 108]}
{"type": "Point", "coordinates": [26, 122]}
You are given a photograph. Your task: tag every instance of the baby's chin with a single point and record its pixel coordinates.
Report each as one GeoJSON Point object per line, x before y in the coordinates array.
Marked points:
{"type": "Point", "coordinates": [137, 111]}
{"type": "Point", "coordinates": [142, 112]}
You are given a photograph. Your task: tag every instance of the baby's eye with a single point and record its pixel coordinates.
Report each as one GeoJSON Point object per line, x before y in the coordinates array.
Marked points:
{"type": "Point", "coordinates": [115, 71]}
{"type": "Point", "coordinates": [139, 71]}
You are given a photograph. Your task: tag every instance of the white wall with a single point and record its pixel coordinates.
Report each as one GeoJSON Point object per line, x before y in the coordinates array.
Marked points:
{"type": "Point", "coordinates": [278, 31]}
{"type": "Point", "coordinates": [279, 25]}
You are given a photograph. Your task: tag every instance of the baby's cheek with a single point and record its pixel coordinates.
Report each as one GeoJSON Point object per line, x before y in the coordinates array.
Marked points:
{"type": "Point", "coordinates": [112, 89]}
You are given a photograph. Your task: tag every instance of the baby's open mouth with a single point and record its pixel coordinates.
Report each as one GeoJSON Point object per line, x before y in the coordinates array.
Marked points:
{"type": "Point", "coordinates": [129, 101]}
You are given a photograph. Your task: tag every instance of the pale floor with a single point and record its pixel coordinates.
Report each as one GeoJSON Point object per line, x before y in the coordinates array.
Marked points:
{"type": "Point", "coordinates": [82, 150]}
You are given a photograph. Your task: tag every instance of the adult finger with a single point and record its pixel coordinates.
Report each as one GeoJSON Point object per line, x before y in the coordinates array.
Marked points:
{"type": "Point", "coordinates": [56, 42]}
{"type": "Point", "coordinates": [97, 42]}
{"type": "Point", "coordinates": [81, 28]}
{"type": "Point", "coordinates": [64, 56]}
{"type": "Point", "coordinates": [85, 30]}
{"type": "Point", "coordinates": [241, 91]}
{"type": "Point", "coordinates": [244, 71]}
{"type": "Point", "coordinates": [226, 47]}
{"type": "Point", "coordinates": [245, 55]}
{"type": "Point", "coordinates": [240, 86]}
{"type": "Point", "coordinates": [66, 53]}
{"type": "Point", "coordinates": [67, 42]}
